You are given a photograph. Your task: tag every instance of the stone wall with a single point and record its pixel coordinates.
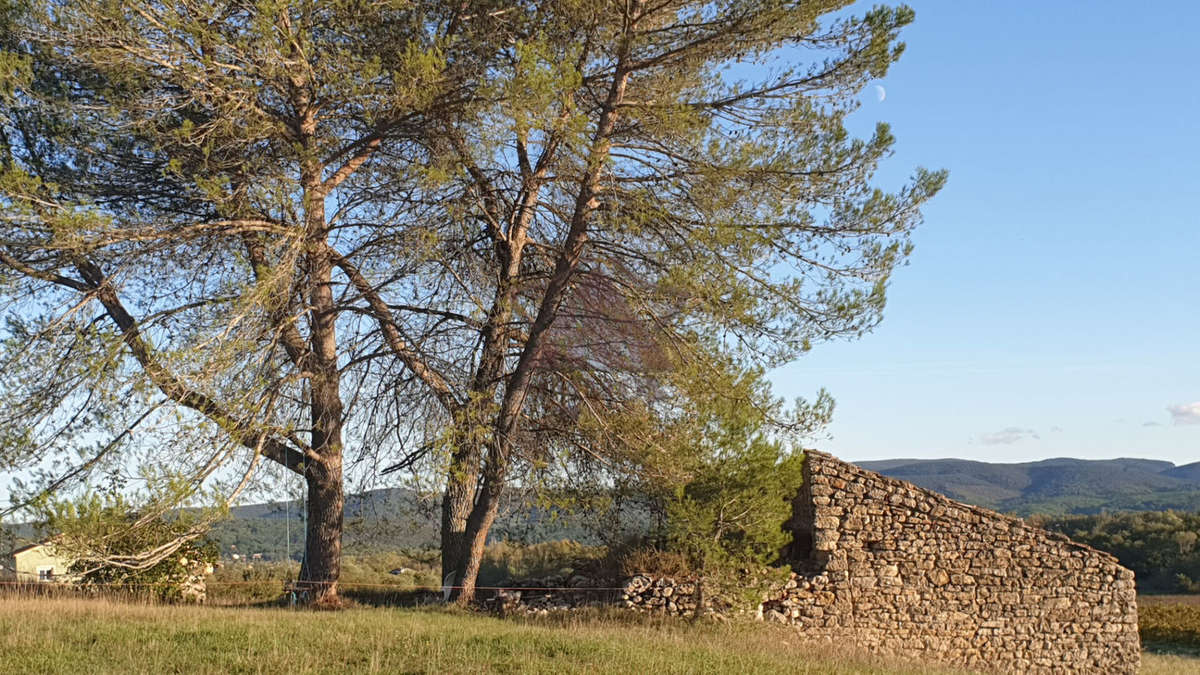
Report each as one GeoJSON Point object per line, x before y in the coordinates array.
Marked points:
{"type": "Point", "coordinates": [892, 568]}
{"type": "Point", "coordinates": [898, 569]}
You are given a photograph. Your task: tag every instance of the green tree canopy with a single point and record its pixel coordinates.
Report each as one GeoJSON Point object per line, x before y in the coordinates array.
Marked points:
{"type": "Point", "coordinates": [108, 542]}
{"type": "Point", "coordinates": [463, 239]}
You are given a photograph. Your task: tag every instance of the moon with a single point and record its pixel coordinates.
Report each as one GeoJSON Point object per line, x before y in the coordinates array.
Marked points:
{"type": "Point", "coordinates": [880, 92]}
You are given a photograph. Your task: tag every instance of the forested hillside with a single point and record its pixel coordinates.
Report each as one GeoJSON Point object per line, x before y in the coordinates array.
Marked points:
{"type": "Point", "coordinates": [384, 520]}
{"type": "Point", "coordinates": [1055, 486]}
{"type": "Point", "coordinates": [1160, 547]}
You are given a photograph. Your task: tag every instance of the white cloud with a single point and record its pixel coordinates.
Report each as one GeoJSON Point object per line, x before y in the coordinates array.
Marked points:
{"type": "Point", "coordinates": [1187, 413]}
{"type": "Point", "coordinates": [1007, 436]}
{"type": "Point", "coordinates": [1151, 424]}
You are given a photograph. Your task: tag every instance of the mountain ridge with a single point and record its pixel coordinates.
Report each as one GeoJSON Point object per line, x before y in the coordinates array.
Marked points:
{"type": "Point", "coordinates": [1060, 485]}
{"type": "Point", "coordinates": [390, 518]}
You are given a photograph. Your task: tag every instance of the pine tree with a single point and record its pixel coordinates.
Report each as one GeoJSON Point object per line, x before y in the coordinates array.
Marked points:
{"type": "Point", "coordinates": [464, 239]}
{"type": "Point", "coordinates": [647, 184]}
{"type": "Point", "coordinates": [175, 180]}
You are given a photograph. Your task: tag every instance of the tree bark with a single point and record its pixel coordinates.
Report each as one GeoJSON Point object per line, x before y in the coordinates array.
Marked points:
{"type": "Point", "coordinates": [323, 540]}
{"type": "Point", "coordinates": [457, 502]}
{"type": "Point", "coordinates": [323, 537]}
{"type": "Point", "coordinates": [475, 538]}
{"type": "Point", "coordinates": [322, 566]}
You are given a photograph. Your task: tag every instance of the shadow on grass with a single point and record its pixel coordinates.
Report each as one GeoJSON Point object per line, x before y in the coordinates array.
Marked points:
{"type": "Point", "coordinates": [1171, 649]}
{"type": "Point", "coordinates": [384, 597]}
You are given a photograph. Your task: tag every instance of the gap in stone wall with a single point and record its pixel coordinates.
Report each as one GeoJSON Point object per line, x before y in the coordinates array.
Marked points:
{"type": "Point", "coordinates": [803, 525]}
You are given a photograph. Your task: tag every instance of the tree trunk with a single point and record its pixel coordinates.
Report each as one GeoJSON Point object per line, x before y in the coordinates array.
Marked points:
{"type": "Point", "coordinates": [323, 539]}
{"type": "Point", "coordinates": [698, 596]}
{"type": "Point", "coordinates": [461, 481]}
{"type": "Point", "coordinates": [323, 533]}
{"type": "Point", "coordinates": [475, 537]}
{"type": "Point", "coordinates": [457, 502]}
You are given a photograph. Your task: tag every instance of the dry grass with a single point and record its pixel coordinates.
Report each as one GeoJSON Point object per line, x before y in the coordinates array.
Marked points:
{"type": "Point", "coordinates": [96, 636]}
{"type": "Point", "coordinates": [1169, 664]}
{"type": "Point", "coordinates": [64, 635]}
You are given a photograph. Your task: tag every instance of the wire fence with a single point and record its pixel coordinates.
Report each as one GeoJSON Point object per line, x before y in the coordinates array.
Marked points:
{"type": "Point", "coordinates": [312, 584]}
{"type": "Point", "coordinates": [279, 592]}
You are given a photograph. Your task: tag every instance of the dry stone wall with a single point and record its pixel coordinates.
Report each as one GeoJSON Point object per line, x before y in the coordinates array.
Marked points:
{"type": "Point", "coordinates": [640, 593]}
{"type": "Point", "coordinates": [889, 567]}
{"type": "Point", "coordinates": [898, 569]}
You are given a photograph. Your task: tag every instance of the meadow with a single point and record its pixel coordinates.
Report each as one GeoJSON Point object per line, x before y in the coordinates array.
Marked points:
{"type": "Point", "coordinates": [73, 635]}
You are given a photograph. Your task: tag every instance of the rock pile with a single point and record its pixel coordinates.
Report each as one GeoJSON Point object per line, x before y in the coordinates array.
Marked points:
{"type": "Point", "coordinates": [641, 593]}
{"type": "Point", "coordinates": [666, 595]}
{"type": "Point", "coordinates": [550, 594]}
{"type": "Point", "coordinates": [193, 587]}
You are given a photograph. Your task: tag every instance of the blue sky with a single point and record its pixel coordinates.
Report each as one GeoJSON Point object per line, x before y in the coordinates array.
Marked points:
{"type": "Point", "coordinates": [1052, 305]}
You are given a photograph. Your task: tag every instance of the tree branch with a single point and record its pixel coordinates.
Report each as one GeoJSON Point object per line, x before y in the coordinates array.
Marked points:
{"type": "Point", "coordinates": [175, 389]}
{"type": "Point", "coordinates": [395, 340]}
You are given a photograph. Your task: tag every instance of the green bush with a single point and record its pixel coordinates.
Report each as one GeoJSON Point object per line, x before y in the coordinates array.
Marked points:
{"type": "Point", "coordinates": [727, 517]}
{"type": "Point", "coordinates": [247, 583]}
{"type": "Point", "coordinates": [109, 540]}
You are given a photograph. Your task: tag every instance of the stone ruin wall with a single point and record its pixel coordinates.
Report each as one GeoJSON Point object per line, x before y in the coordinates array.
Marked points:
{"type": "Point", "coordinates": [892, 568]}
{"type": "Point", "coordinates": [898, 569]}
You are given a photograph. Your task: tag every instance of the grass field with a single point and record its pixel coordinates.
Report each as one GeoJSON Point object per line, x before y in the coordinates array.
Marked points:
{"type": "Point", "coordinates": [96, 636]}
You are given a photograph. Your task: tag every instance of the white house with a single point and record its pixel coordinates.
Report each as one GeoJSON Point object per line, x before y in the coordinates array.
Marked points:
{"type": "Point", "coordinates": [36, 563]}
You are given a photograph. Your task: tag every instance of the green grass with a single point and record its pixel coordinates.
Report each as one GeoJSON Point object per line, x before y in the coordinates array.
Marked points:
{"type": "Point", "coordinates": [65, 635]}
{"type": "Point", "coordinates": [93, 636]}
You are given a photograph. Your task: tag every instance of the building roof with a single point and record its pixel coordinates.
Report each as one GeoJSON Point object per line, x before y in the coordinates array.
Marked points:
{"type": "Point", "coordinates": [32, 545]}
{"type": "Point", "coordinates": [24, 548]}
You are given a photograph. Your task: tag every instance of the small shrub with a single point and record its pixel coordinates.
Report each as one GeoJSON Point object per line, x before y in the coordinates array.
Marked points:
{"type": "Point", "coordinates": [654, 562]}
{"type": "Point", "coordinates": [245, 583]}
{"type": "Point", "coordinates": [107, 539]}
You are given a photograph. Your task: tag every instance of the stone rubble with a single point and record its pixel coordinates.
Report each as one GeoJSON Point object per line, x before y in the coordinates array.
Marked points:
{"type": "Point", "coordinates": [549, 594]}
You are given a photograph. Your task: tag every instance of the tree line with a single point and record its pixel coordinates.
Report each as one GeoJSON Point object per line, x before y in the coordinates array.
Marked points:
{"type": "Point", "coordinates": [1159, 546]}
{"type": "Point", "coordinates": [477, 243]}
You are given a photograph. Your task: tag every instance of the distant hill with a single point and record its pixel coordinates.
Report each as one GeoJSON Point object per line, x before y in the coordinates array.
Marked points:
{"type": "Point", "coordinates": [394, 518]}
{"type": "Point", "coordinates": [383, 520]}
{"type": "Point", "coordinates": [376, 521]}
{"type": "Point", "coordinates": [1186, 472]}
{"type": "Point", "coordinates": [1055, 486]}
